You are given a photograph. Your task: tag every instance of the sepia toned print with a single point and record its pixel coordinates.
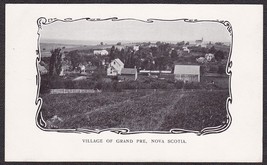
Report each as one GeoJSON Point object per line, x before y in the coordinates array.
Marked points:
{"type": "Point", "coordinates": [134, 76]}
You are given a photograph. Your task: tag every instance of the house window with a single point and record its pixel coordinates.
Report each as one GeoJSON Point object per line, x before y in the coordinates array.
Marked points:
{"type": "Point", "coordinates": [114, 62]}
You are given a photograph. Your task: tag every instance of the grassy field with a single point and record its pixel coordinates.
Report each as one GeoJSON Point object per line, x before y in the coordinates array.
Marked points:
{"type": "Point", "coordinates": [139, 111]}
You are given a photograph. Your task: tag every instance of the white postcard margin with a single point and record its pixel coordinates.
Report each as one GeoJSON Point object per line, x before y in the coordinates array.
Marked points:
{"type": "Point", "coordinates": [242, 142]}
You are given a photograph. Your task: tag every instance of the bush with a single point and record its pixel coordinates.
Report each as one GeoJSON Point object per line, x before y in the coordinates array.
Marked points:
{"type": "Point", "coordinates": [179, 84]}
{"type": "Point", "coordinates": [221, 69]}
{"type": "Point", "coordinates": [57, 84]}
{"type": "Point", "coordinates": [143, 85]}
{"type": "Point", "coordinates": [129, 85]}
{"type": "Point", "coordinates": [45, 85]}
{"type": "Point", "coordinates": [107, 86]}
{"type": "Point", "coordinates": [192, 85]}
{"type": "Point", "coordinates": [159, 85]}
{"type": "Point", "coordinates": [84, 84]}
{"type": "Point", "coordinates": [68, 84]}
{"type": "Point", "coordinates": [98, 85]}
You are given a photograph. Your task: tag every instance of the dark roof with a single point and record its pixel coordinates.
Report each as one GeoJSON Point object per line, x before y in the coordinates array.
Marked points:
{"type": "Point", "coordinates": [128, 71]}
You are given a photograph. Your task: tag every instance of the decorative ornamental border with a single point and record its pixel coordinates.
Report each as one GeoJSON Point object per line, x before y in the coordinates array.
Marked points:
{"type": "Point", "coordinates": [125, 131]}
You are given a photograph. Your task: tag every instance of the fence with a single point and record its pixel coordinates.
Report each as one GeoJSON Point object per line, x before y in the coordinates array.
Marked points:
{"type": "Point", "coordinates": [57, 91]}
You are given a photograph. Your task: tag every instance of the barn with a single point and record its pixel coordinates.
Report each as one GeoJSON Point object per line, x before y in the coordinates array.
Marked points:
{"type": "Point", "coordinates": [187, 73]}
{"type": "Point", "coordinates": [128, 74]}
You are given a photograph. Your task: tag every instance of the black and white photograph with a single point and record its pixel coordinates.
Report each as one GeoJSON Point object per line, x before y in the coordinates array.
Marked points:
{"type": "Point", "coordinates": [133, 83]}
{"type": "Point", "coordinates": [130, 75]}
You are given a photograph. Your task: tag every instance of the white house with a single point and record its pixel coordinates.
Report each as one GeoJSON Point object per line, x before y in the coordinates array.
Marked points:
{"type": "Point", "coordinates": [189, 73]}
{"type": "Point", "coordinates": [82, 68]}
{"type": "Point", "coordinates": [135, 47]}
{"type": "Point", "coordinates": [185, 48]}
{"type": "Point", "coordinates": [101, 52]}
{"type": "Point", "coordinates": [209, 56]}
{"type": "Point", "coordinates": [115, 67]}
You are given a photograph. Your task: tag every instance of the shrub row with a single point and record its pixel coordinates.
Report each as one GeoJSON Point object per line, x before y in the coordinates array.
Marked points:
{"type": "Point", "coordinates": [117, 86]}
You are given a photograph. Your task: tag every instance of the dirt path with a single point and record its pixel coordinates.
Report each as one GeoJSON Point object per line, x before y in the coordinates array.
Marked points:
{"type": "Point", "coordinates": [155, 118]}
{"type": "Point", "coordinates": [167, 110]}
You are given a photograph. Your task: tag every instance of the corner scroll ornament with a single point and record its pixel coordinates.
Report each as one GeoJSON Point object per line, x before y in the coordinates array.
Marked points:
{"type": "Point", "coordinates": [228, 26]}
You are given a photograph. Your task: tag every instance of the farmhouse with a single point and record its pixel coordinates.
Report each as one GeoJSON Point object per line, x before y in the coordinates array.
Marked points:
{"type": "Point", "coordinates": [115, 67]}
{"type": "Point", "coordinates": [209, 56]}
{"type": "Point", "coordinates": [128, 74]}
{"type": "Point", "coordinates": [187, 73]}
{"type": "Point", "coordinates": [101, 52]}
{"type": "Point", "coordinates": [135, 47]}
{"type": "Point", "coordinates": [185, 49]}
{"type": "Point", "coordinates": [81, 68]}
{"type": "Point", "coordinates": [42, 69]}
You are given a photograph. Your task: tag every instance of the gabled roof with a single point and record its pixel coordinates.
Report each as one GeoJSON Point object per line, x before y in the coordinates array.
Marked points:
{"type": "Point", "coordinates": [119, 61]}
{"type": "Point", "coordinates": [187, 69]}
{"type": "Point", "coordinates": [129, 71]}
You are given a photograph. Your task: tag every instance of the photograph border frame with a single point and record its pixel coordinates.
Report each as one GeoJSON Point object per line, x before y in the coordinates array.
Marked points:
{"type": "Point", "coordinates": [40, 123]}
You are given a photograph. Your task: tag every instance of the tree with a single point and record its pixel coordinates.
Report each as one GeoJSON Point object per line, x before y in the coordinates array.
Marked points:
{"type": "Point", "coordinates": [219, 55]}
{"type": "Point", "coordinates": [55, 62]}
{"type": "Point", "coordinates": [218, 43]}
{"type": "Point", "coordinates": [180, 43]}
{"type": "Point", "coordinates": [122, 55]}
{"type": "Point", "coordinates": [158, 43]}
{"type": "Point", "coordinates": [161, 62]}
{"type": "Point", "coordinates": [212, 50]}
{"type": "Point", "coordinates": [112, 53]}
{"type": "Point", "coordinates": [119, 43]}
{"type": "Point", "coordinates": [173, 54]}
{"type": "Point", "coordinates": [163, 47]}
{"type": "Point", "coordinates": [74, 58]}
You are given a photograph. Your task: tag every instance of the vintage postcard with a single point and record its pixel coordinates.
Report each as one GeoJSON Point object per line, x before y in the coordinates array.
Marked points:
{"type": "Point", "coordinates": [146, 83]}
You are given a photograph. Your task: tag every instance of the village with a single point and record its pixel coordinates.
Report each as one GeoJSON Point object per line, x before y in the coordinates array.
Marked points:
{"type": "Point", "coordinates": [142, 65]}
{"type": "Point", "coordinates": [142, 86]}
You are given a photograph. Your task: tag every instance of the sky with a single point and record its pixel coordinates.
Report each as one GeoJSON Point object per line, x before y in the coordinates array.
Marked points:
{"type": "Point", "coordinates": [131, 30]}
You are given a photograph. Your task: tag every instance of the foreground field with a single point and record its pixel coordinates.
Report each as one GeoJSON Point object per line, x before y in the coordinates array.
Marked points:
{"type": "Point", "coordinates": [137, 110]}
